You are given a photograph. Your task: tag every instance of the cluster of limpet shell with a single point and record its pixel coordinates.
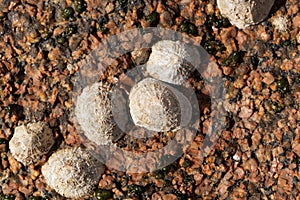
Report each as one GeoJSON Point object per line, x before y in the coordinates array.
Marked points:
{"type": "Point", "coordinates": [156, 105]}
{"type": "Point", "coordinates": [71, 172]}
{"type": "Point", "coordinates": [153, 103]}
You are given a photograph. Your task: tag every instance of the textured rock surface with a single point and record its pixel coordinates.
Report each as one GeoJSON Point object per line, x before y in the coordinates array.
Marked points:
{"type": "Point", "coordinates": [157, 106]}
{"type": "Point", "coordinates": [254, 158]}
{"type": "Point", "coordinates": [243, 13]}
{"type": "Point", "coordinates": [172, 62]}
{"type": "Point", "coordinates": [94, 113]}
{"type": "Point", "coordinates": [72, 172]}
{"type": "Point", "coordinates": [30, 142]}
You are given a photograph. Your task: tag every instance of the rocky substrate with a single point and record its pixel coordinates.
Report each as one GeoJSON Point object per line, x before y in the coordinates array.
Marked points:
{"type": "Point", "coordinates": [257, 156]}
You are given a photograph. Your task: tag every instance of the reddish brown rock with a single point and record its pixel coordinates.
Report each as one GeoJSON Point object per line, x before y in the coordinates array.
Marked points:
{"type": "Point", "coordinates": [296, 21]}
{"type": "Point", "coordinates": [245, 112]}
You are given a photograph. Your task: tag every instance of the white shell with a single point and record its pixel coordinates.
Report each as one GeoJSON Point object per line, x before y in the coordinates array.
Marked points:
{"type": "Point", "coordinates": [29, 143]}
{"type": "Point", "coordinates": [157, 106]}
{"type": "Point", "coordinates": [172, 62]}
{"type": "Point", "coordinates": [72, 172]}
{"type": "Point", "coordinates": [244, 13]}
{"type": "Point", "coordinates": [94, 113]}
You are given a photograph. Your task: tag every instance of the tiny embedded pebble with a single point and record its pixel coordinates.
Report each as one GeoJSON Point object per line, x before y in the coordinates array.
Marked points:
{"type": "Point", "coordinates": [280, 23]}
{"type": "Point", "coordinates": [298, 38]}
{"type": "Point", "coordinates": [68, 13]}
{"type": "Point", "coordinates": [103, 194]}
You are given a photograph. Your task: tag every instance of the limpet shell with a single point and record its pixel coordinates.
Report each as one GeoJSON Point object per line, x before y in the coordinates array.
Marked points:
{"type": "Point", "coordinates": [72, 172]}
{"type": "Point", "coordinates": [244, 13]}
{"type": "Point", "coordinates": [94, 113]}
{"type": "Point", "coordinates": [172, 61]}
{"type": "Point", "coordinates": [157, 106]}
{"type": "Point", "coordinates": [30, 142]}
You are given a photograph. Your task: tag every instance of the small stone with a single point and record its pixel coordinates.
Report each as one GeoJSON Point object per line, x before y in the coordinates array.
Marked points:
{"type": "Point", "coordinates": [169, 197]}
{"type": "Point", "coordinates": [14, 165]}
{"type": "Point", "coordinates": [263, 34]}
{"type": "Point", "coordinates": [109, 8]}
{"type": "Point", "coordinates": [103, 194]}
{"type": "Point", "coordinates": [227, 70]}
{"type": "Point", "coordinates": [157, 106]}
{"type": "Point", "coordinates": [140, 56]}
{"type": "Point", "coordinates": [244, 13]}
{"type": "Point", "coordinates": [172, 62]}
{"type": "Point", "coordinates": [68, 13]}
{"type": "Point", "coordinates": [268, 78]}
{"type": "Point", "coordinates": [30, 142]}
{"type": "Point", "coordinates": [34, 173]}
{"type": "Point", "coordinates": [298, 37]}
{"type": "Point", "coordinates": [72, 172]}
{"type": "Point", "coordinates": [280, 23]}
{"type": "Point", "coordinates": [166, 19]}
{"type": "Point", "coordinates": [296, 144]}
{"type": "Point", "coordinates": [245, 112]}
{"type": "Point", "coordinates": [296, 21]}
{"type": "Point", "coordinates": [236, 157]}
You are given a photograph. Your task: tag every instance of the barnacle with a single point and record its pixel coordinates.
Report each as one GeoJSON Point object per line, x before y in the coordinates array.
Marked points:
{"type": "Point", "coordinates": [72, 172]}
{"type": "Point", "coordinates": [30, 142]}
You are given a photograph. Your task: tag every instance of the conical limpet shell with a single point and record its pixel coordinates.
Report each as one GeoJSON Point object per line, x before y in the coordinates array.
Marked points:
{"type": "Point", "coordinates": [244, 13]}
{"type": "Point", "coordinates": [157, 106]}
{"type": "Point", "coordinates": [72, 172]}
{"type": "Point", "coordinates": [94, 113]}
{"type": "Point", "coordinates": [172, 62]}
{"type": "Point", "coordinates": [30, 142]}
